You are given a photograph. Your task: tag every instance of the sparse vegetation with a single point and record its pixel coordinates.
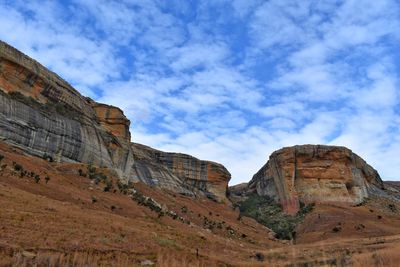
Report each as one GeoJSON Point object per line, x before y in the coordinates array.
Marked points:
{"type": "Point", "coordinates": [363, 202]}
{"type": "Point", "coordinates": [48, 157]}
{"type": "Point", "coordinates": [184, 209]}
{"type": "Point", "coordinates": [109, 185]}
{"type": "Point", "coordinates": [3, 167]}
{"type": "Point", "coordinates": [336, 229]}
{"type": "Point", "coordinates": [47, 179]}
{"type": "Point", "coordinates": [36, 178]}
{"type": "Point", "coordinates": [359, 227]}
{"type": "Point", "coordinates": [269, 213]}
{"type": "Point", "coordinates": [124, 187]}
{"type": "Point", "coordinates": [17, 167]}
{"type": "Point", "coordinates": [392, 207]}
{"type": "Point", "coordinates": [259, 256]}
{"type": "Point", "coordinates": [82, 173]}
{"type": "Point", "coordinates": [168, 243]}
{"type": "Point", "coordinates": [1, 157]}
{"type": "Point", "coordinates": [98, 177]}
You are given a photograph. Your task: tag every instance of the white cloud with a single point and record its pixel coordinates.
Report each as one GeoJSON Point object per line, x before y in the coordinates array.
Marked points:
{"type": "Point", "coordinates": [229, 81]}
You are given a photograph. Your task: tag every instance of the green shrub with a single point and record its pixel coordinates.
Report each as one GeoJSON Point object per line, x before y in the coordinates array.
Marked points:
{"type": "Point", "coordinates": [81, 173]}
{"type": "Point", "coordinates": [37, 178]}
{"type": "Point", "coordinates": [392, 207]}
{"type": "Point", "coordinates": [269, 213]}
{"type": "Point", "coordinates": [48, 157]}
{"type": "Point", "coordinates": [109, 186]}
{"type": "Point", "coordinates": [18, 167]}
{"type": "Point", "coordinates": [122, 187]}
{"type": "Point", "coordinates": [1, 157]}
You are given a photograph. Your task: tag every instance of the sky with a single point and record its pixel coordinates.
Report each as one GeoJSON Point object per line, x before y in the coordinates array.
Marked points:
{"type": "Point", "coordinates": [229, 80]}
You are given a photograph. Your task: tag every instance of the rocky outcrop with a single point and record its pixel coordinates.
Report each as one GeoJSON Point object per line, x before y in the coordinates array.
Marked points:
{"type": "Point", "coordinates": [45, 116]}
{"type": "Point", "coordinates": [113, 120]}
{"type": "Point", "coordinates": [19, 73]}
{"type": "Point", "coordinates": [315, 173]}
{"type": "Point", "coordinates": [180, 172]}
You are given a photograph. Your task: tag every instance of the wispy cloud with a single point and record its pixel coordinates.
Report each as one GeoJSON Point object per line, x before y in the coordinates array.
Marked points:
{"type": "Point", "coordinates": [229, 81]}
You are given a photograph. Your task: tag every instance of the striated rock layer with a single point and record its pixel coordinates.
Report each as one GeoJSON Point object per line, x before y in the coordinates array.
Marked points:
{"type": "Point", "coordinates": [315, 173]}
{"type": "Point", "coordinates": [45, 116]}
{"type": "Point", "coordinates": [183, 172]}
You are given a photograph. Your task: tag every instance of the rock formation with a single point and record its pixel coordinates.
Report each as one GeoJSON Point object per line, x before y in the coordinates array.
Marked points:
{"type": "Point", "coordinates": [45, 116]}
{"type": "Point", "coordinates": [315, 173]}
{"type": "Point", "coordinates": [181, 171]}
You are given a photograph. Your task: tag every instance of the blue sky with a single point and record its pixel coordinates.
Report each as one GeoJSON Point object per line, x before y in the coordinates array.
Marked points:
{"type": "Point", "coordinates": [229, 81]}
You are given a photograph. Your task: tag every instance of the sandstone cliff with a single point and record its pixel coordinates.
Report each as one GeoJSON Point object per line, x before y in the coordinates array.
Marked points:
{"type": "Point", "coordinates": [45, 116]}
{"type": "Point", "coordinates": [315, 173]}
{"type": "Point", "coordinates": [189, 174]}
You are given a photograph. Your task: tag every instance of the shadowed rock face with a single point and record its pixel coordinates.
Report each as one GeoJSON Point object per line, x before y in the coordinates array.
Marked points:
{"type": "Point", "coordinates": [315, 173]}
{"type": "Point", "coordinates": [45, 116]}
{"type": "Point", "coordinates": [175, 170]}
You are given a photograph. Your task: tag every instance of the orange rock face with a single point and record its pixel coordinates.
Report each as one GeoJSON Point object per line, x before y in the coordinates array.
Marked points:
{"type": "Point", "coordinates": [19, 73]}
{"type": "Point", "coordinates": [113, 119]}
{"type": "Point", "coordinates": [315, 173]}
{"type": "Point", "coordinates": [45, 116]}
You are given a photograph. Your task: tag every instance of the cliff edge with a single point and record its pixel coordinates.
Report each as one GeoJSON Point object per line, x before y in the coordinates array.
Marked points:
{"type": "Point", "coordinates": [45, 116]}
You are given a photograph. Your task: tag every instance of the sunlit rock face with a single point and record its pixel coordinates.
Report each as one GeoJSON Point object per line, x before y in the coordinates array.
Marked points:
{"type": "Point", "coordinates": [315, 173]}
{"type": "Point", "coordinates": [44, 116]}
{"type": "Point", "coordinates": [113, 120]}
{"type": "Point", "coordinates": [178, 171]}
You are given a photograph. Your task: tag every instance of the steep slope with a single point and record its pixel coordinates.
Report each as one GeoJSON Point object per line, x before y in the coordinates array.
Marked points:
{"type": "Point", "coordinates": [315, 173]}
{"type": "Point", "coordinates": [44, 116]}
{"type": "Point", "coordinates": [69, 220]}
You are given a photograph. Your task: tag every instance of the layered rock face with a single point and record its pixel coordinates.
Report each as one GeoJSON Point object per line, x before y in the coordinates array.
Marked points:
{"type": "Point", "coordinates": [113, 120]}
{"type": "Point", "coordinates": [45, 116]}
{"type": "Point", "coordinates": [180, 172]}
{"type": "Point", "coordinates": [315, 173]}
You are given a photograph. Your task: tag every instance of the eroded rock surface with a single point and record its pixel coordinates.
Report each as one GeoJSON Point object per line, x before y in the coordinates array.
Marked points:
{"type": "Point", "coordinates": [315, 173]}
{"type": "Point", "coordinates": [45, 116]}
{"type": "Point", "coordinates": [180, 171]}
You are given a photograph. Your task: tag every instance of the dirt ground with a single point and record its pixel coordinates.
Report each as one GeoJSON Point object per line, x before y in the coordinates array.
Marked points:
{"type": "Point", "coordinates": [71, 221]}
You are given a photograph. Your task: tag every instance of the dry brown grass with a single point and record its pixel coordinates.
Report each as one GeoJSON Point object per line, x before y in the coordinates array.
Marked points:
{"type": "Point", "coordinates": [387, 257]}
{"type": "Point", "coordinates": [59, 223]}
